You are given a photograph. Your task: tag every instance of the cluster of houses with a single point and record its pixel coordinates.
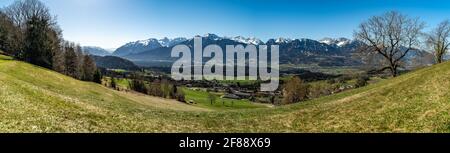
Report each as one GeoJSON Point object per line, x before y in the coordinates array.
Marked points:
{"type": "Point", "coordinates": [237, 93]}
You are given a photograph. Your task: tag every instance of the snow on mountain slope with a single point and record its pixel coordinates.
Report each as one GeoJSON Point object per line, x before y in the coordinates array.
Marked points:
{"type": "Point", "coordinates": [338, 42]}
{"type": "Point", "coordinates": [251, 40]}
{"type": "Point", "coordinates": [151, 44]}
{"type": "Point", "coordinates": [146, 45]}
{"type": "Point", "coordinates": [166, 42]}
{"type": "Point", "coordinates": [283, 40]}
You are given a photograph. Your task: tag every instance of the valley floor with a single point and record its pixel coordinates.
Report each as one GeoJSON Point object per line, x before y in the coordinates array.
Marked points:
{"type": "Point", "coordinates": [34, 99]}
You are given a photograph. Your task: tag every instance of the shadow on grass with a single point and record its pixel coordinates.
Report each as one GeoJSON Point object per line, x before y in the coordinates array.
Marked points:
{"type": "Point", "coordinates": [5, 57]}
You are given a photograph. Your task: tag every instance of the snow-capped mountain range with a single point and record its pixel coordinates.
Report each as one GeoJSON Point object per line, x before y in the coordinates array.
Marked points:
{"type": "Point", "coordinates": [166, 42]}
{"type": "Point", "coordinates": [145, 45]}
{"type": "Point", "coordinates": [251, 40]}
{"type": "Point", "coordinates": [338, 42]}
{"type": "Point", "coordinates": [283, 40]}
{"type": "Point", "coordinates": [298, 51]}
{"type": "Point", "coordinates": [139, 46]}
{"type": "Point", "coordinates": [240, 39]}
{"type": "Point", "coordinates": [324, 52]}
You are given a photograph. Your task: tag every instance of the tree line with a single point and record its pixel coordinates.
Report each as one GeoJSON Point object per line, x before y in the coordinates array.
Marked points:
{"type": "Point", "coordinates": [159, 87]}
{"type": "Point", "coordinates": [28, 32]}
{"type": "Point", "coordinates": [154, 86]}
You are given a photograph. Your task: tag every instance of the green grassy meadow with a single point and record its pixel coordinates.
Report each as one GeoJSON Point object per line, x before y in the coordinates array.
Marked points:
{"type": "Point", "coordinates": [33, 99]}
{"type": "Point", "coordinates": [201, 98]}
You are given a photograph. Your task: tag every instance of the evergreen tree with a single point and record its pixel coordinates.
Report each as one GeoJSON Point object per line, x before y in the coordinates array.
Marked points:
{"type": "Point", "coordinates": [38, 48]}
{"type": "Point", "coordinates": [71, 60]}
{"type": "Point", "coordinates": [98, 77]}
{"type": "Point", "coordinates": [89, 68]}
{"type": "Point", "coordinates": [80, 58]}
{"type": "Point", "coordinates": [113, 83]}
{"type": "Point", "coordinates": [139, 86]}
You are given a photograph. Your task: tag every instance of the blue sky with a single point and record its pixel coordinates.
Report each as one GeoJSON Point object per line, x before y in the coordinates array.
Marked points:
{"type": "Point", "coordinates": [111, 23]}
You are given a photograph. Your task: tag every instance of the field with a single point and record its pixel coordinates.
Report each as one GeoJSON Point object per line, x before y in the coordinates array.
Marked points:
{"type": "Point", "coordinates": [201, 98]}
{"type": "Point", "coordinates": [34, 99]}
{"type": "Point", "coordinates": [315, 68]}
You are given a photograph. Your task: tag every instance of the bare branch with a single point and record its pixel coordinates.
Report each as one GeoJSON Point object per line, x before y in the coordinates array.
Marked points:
{"type": "Point", "coordinates": [438, 40]}
{"type": "Point", "coordinates": [391, 35]}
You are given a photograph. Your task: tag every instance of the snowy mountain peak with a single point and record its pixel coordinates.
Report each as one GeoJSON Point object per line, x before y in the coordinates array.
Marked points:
{"type": "Point", "coordinates": [328, 41]}
{"type": "Point", "coordinates": [144, 42]}
{"type": "Point", "coordinates": [212, 36]}
{"type": "Point", "coordinates": [166, 42]}
{"type": "Point", "coordinates": [338, 42]}
{"type": "Point", "coordinates": [283, 40]}
{"type": "Point", "coordinates": [251, 40]}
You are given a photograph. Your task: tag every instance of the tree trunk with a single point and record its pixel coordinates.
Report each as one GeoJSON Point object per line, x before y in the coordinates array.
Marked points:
{"type": "Point", "coordinates": [439, 59]}
{"type": "Point", "coordinates": [393, 71]}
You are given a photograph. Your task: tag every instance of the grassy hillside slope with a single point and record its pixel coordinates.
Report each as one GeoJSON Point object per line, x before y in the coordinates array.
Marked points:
{"type": "Point", "coordinates": [33, 99]}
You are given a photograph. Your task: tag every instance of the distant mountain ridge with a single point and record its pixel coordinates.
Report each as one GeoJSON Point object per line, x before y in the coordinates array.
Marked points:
{"type": "Point", "coordinates": [145, 45]}
{"type": "Point", "coordinates": [98, 51]}
{"type": "Point", "coordinates": [338, 42]}
{"type": "Point", "coordinates": [113, 62]}
{"type": "Point", "coordinates": [324, 52]}
{"type": "Point", "coordinates": [140, 46]}
{"type": "Point", "coordinates": [296, 51]}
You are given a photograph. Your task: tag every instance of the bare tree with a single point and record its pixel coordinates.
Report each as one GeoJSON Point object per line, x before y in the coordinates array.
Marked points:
{"type": "Point", "coordinates": [8, 34]}
{"type": "Point", "coordinates": [59, 58]}
{"type": "Point", "coordinates": [38, 37]}
{"type": "Point", "coordinates": [391, 35]}
{"type": "Point", "coordinates": [21, 11]}
{"type": "Point", "coordinates": [295, 90]}
{"type": "Point", "coordinates": [438, 40]}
